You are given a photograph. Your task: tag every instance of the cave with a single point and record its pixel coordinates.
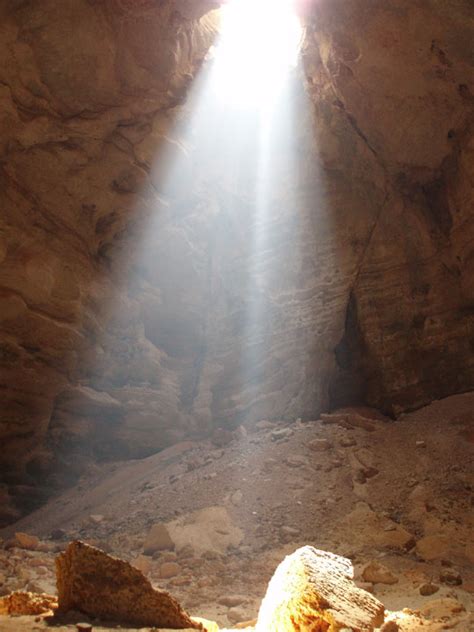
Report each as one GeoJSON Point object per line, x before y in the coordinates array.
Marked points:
{"type": "Point", "coordinates": [237, 310]}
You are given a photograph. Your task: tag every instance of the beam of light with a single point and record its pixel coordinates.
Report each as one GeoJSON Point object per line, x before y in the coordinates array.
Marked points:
{"type": "Point", "coordinates": [259, 43]}
{"type": "Point", "coordinates": [213, 263]}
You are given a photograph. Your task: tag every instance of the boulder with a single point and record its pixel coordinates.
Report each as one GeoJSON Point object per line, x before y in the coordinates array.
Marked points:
{"type": "Point", "coordinates": [158, 539]}
{"type": "Point", "coordinates": [432, 547]}
{"type": "Point", "coordinates": [366, 528]}
{"type": "Point", "coordinates": [26, 541]}
{"type": "Point", "coordinates": [378, 573]}
{"type": "Point", "coordinates": [104, 587]}
{"type": "Point", "coordinates": [442, 608]}
{"type": "Point", "coordinates": [427, 589]}
{"type": "Point", "coordinates": [314, 590]}
{"type": "Point", "coordinates": [207, 530]}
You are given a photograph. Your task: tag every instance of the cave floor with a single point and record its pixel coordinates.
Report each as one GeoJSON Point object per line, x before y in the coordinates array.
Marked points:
{"type": "Point", "coordinates": [397, 493]}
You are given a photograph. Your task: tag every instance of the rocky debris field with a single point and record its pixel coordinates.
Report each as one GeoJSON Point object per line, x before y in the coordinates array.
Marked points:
{"type": "Point", "coordinates": [210, 521]}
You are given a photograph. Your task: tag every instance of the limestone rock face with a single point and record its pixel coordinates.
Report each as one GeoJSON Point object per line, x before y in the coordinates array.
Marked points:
{"type": "Point", "coordinates": [145, 293]}
{"type": "Point", "coordinates": [402, 74]}
{"type": "Point", "coordinates": [75, 76]}
{"type": "Point", "coordinates": [92, 582]}
{"type": "Point", "coordinates": [312, 591]}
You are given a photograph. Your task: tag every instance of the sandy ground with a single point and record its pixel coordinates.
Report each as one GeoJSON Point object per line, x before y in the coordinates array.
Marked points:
{"type": "Point", "coordinates": [397, 493]}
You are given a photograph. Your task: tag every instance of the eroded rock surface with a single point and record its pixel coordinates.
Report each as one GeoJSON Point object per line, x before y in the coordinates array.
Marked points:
{"type": "Point", "coordinates": [137, 309]}
{"type": "Point", "coordinates": [401, 73]}
{"type": "Point", "coordinates": [92, 582]}
{"type": "Point", "coordinates": [26, 603]}
{"type": "Point", "coordinates": [313, 590]}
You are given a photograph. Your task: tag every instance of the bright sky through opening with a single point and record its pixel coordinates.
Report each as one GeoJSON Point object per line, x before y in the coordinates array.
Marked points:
{"type": "Point", "coordinates": [258, 46]}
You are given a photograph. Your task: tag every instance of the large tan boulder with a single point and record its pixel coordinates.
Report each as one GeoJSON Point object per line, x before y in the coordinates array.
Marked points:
{"type": "Point", "coordinates": [209, 529]}
{"type": "Point", "coordinates": [313, 590]}
{"type": "Point", "coordinates": [432, 547]}
{"type": "Point", "coordinates": [99, 585]}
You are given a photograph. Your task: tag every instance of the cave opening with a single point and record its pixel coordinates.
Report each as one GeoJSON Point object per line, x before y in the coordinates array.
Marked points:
{"type": "Point", "coordinates": [258, 44]}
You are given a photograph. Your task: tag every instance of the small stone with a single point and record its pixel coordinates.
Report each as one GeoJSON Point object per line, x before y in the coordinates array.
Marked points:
{"type": "Point", "coordinates": [390, 626]}
{"type": "Point", "coordinates": [42, 570]}
{"type": "Point", "coordinates": [181, 581]}
{"type": "Point", "coordinates": [96, 518]}
{"type": "Point", "coordinates": [235, 615]}
{"type": "Point", "coordinates": [289, 531]}
{"type": "Point", "coordinates": [57, 534]}
{"type": "Point", "coordinates": [377, 573]}
{"type": "Point", "coordinates": [428, 589]}
{"type": "Point", "coordinates": [204, 582]}
{"type": "Point", "coordinates": [84, 627]}
{"type": "Point", "coordinates": [169, 569]}
{"type": "Point", "coordinates": [319, 445]}
{"type": "Point", "coordinates": [450, 577]}
{"type": "Point", "coordinates": [420, 444]}
{"type": "Point", "coordinates": [294, 460]}
{"type": "Point", "coordinates": [282, 434]}
{"type": "Point", "coordinates": [26, 541]}
{"type": "Point", "coordinates": [347, 442]}
{"type": "Point", "coordinates": [231, 600]}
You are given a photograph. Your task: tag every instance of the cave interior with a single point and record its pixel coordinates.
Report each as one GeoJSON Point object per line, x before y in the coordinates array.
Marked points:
{"type": "Point", "coordinates": [237, 315]}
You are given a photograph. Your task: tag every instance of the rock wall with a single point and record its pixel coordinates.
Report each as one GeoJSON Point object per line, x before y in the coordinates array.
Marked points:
{"type": "Point", "coordinates": [403, 75]}
{"type": "Point", "coordinates": [141, 306]}
{"type": "Point", "coordinates": [81, 84]}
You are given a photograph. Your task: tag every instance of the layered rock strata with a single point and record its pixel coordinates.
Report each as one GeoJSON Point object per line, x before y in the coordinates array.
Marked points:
{"type": "Point", "coordinates": [147, 292]}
